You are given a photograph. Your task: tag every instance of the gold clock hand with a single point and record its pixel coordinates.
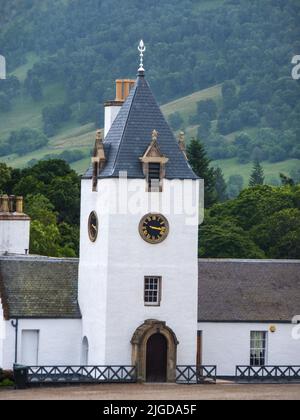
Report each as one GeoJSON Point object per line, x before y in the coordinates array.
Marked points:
{"type": "Point", "coordinates": [155, 228]}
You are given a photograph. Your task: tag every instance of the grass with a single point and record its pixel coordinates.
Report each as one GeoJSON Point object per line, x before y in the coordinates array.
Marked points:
{"type": "Point", "coordinates": [21, 72]}
{"type": "Point", "coordinates": [28, 113]}
{"type": "Point", "coordinates": [187, 105]}
{"type": "Point", "coordinates": [272, 170]}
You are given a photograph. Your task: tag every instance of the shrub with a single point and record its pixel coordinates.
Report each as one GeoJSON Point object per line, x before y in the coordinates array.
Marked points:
{"type": "Point", "coordinates": [6, 383]}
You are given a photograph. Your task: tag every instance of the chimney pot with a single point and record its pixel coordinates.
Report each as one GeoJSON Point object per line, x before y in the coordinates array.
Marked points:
{"type": "Point", "coordinates": [19, 204]}
{"type": "Point", "coordinates": [11, 203]}
{"type": "Point", "coordinates": [5, 205]}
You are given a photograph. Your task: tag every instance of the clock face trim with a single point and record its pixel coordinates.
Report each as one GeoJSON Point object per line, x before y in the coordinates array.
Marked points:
{"type": "Point", "coordinates": [154, 228]}
{"type": "Point", "coordinates": [93, 226]}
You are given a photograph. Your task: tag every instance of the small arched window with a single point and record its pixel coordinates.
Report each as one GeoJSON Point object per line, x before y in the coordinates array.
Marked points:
{"type": "Point", "coordinates": [85, 352]}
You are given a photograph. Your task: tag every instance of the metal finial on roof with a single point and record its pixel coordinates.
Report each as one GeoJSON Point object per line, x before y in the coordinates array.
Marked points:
{"type": "Point", "coordinates": [141, 49]}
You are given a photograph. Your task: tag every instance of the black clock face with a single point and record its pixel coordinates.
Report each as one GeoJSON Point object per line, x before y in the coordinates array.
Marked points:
{"type": "Point", "coordinates": [93, 226]}
{"type": "Point", "coordinates": [154, 228]}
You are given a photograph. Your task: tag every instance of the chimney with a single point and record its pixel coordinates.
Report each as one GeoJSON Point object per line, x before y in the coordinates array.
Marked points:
{"type": "Point", "coordinates": [14, 226]}
{"type": "Point", "coordinates": [112, 108]}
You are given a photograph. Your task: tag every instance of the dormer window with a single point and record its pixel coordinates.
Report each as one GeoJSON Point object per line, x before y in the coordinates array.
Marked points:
{"type": "Point", "coordinates": [154, 163]}
{"type": "Point", "coordinates": [154, 178]}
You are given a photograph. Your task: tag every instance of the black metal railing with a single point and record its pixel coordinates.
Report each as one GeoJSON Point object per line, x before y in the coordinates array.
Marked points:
{"type": "Point", "coordinates": [267, 373]}
{"type": "Point", "coordinates": [196, 374]}
{"type": "Point", "coordinates": [80, 374]}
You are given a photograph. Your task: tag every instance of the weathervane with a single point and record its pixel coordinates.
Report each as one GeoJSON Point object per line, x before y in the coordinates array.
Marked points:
{"type": "Point", "coordinates": [142, 49]}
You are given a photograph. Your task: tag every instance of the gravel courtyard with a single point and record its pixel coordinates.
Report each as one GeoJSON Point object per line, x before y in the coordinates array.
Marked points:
{"type": "Point", "coordinates": [158, 392]}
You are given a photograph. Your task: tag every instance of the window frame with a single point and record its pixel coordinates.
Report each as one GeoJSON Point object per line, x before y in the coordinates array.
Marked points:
{"type": "Point", "coordinates": [262, 348]}
{"type": "Point", "coordinates": [148, 289]}
{"type": "Point", "coordinates": [154, 184]}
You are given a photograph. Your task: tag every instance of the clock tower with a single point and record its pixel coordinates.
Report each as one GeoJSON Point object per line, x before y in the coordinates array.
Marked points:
{"type": "Point", "coordinates": [138, 271]}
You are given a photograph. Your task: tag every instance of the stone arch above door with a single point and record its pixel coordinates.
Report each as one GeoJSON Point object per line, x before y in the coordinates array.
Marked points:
{"type": "Point", "coordinates": [139, 347]}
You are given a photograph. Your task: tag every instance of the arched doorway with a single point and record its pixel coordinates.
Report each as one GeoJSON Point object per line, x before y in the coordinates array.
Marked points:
{"type": "Point", "coordinates": [156, 358]}
{"type": "Point", "coordinates": [85, 352]}
{"type": "Point", "coordinates": [154, 352]}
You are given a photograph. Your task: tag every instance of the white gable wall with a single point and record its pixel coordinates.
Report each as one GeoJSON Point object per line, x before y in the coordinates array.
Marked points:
{"type": "Point", "coordinates": [228, 344]}
{"type": "Point", "coordinates": [59, 341]}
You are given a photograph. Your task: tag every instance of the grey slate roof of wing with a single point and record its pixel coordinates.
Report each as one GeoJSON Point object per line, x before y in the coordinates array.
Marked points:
{"type": "Point", "coordinates": [131, 134]}
{"type": "Point", "coordinates": [248, 290]}
{"type": "Point", "coordinates": [39, 287]}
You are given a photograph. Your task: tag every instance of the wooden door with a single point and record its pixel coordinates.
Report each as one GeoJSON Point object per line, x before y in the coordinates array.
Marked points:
{"type": "Point", "coordinates": [156, 359]}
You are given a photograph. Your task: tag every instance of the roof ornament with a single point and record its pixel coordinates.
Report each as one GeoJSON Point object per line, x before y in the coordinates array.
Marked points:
{"type": "Point", "coordinates": [141, 49]}
{"type": "Point", "coordinates": [181, 142]}
{"type": "Point", "coordinates": [154, 136]}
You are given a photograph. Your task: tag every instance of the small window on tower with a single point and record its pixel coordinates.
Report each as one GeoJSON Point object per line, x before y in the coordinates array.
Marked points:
{"type": "Point", "coordinates": [154, 177]}
{"type": "Point", "coordinates": [152, 291]}
{"type": "Point", "coordinates": [154, 165]}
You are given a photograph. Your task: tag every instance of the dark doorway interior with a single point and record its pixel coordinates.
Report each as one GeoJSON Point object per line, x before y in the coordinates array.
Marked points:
{"type": "Point", "coordinates": [156, 359]}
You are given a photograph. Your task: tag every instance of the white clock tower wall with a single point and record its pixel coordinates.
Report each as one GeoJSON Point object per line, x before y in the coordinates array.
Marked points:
{"type": "Point", "coordinates": [93, 275]}
{"type": "Point", "coordinates": [112, 271]}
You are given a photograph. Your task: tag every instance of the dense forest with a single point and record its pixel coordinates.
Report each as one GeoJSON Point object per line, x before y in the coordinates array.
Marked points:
{"type": "Point", "coordinates": [247, 46]}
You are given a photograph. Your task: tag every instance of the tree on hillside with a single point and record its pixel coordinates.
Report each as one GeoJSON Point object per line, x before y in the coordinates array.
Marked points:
{"type": "Point", "coordinates": [286, 180]}
{"type": "Point", "coordinates": [54, 116]}
{"type": "Point", "coordinates": [176, 121]}
{"type": "Point", "coordinates": [205, 125]}
{"type": "Point", "coordinates": [201, 166]}
{"type": "Point", "coordinates": [33, 87]}
{"type": "Point", "coordinates": [279, 235]}
{"type": "Point", "coordinates": [235, 185]}
{"type": "Point", "coordinates": [226, 240]}
{"type": "Point", "coordinates": [5, 177]}
{"type": "Point", "coordinates": [46, 237]}
{"type": "Point", "coordinates": [5, 104]}
{"type": "Point", "coordinates": [295, 175]}
{"type": "Point", "coordinates": [229, 94]}
{"type": "Point", "coordinates": [257, 176]}
{"type": "Point", "coordinates": [26, 140]}
{"type": "Point", "coordinates": [209, 107]}
{"type": "Point", "coordinates": [263, 222]}
{"type": "Point", "coordinates": [220, 185]}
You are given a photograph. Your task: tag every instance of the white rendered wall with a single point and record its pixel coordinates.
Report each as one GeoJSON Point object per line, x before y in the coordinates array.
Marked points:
{"type": "Point", "coordinates": [228, 344]}
{"type": "Point", "coordinates": [110, 114]}
{"type": "Point", "coordinates": [112, 270]}
{"type": "Point", "coordinates": [59, 341]}
{"type": "Point", "coordinates": [14, 236]}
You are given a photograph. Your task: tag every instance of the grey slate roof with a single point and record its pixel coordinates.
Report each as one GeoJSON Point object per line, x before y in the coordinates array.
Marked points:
{"type": "Point", "coordinates": [229, 290]}
{"type": "Point", "coordinates": [248, 290]}
{"type": "Point", "coordinates": [131, 134]}
{"type": "Point", "coordinates": [39, 287]}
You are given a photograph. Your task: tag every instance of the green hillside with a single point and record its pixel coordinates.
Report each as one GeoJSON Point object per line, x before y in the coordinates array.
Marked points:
{"type": "Point", "coordinates": [73, 136]}
{"type": "Point", "coordinates": [223, 64]}
{"type": "Point", "coordinates": [27, 113]}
